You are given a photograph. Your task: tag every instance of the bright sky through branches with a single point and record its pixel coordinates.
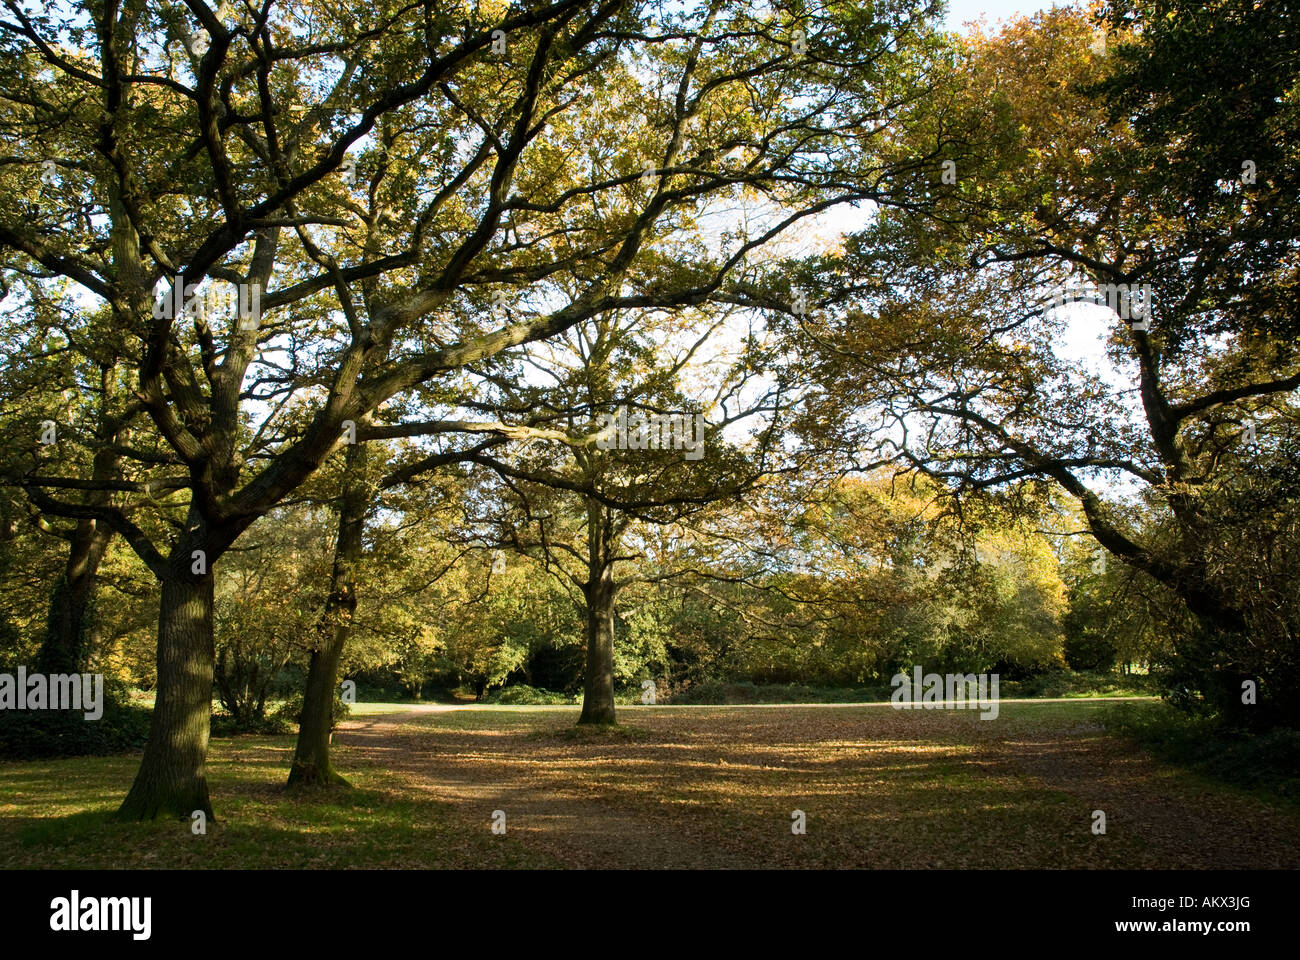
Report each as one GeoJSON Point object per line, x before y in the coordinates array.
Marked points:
{"type": "Point", "coordinates": [962, 11]}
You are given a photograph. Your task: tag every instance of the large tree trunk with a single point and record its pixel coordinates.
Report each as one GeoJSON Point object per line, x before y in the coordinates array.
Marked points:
{"type": "Point", "coordinates": [600, 591]}
{"type": "Point", "coordinates": [598, 685]}
{"type": "Point", "coordinates": [70, 626]}
{"type": "Point", "coordinates": [311, 760]}
{"type": "Point", "coordinates": [172, 780]}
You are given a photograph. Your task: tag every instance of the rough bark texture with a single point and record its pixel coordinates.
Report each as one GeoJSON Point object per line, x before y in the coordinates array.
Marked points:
{"type": "Point", "coordinates": [172, 780]}
{"type": "Point", "coordinates": [311, 760]}
{"type": "Point", "coordinates": [600, 590]}
{"type": "Point", "coordinates": [598, 685]}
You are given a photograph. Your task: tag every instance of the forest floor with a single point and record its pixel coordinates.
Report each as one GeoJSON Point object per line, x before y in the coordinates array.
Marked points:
{"type": "Point", "coordinates": [674, 787]}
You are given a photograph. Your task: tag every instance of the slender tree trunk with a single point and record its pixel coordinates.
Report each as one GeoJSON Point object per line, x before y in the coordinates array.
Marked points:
{"type": "Point", "coordinates": [70, 632]}
{"type": "Point", "coordinates": [70, 626]}
{"type": "Point", "coordinates": [172, 780]}
{"type": "Point", "coordinates": [311, 761]}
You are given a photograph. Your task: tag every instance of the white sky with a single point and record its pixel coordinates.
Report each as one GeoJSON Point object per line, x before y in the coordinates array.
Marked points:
{"type": "Point", "coordinates": [961, 11]}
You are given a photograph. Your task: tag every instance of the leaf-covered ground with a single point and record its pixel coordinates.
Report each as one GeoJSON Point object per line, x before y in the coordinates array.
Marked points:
{"type": "Point", "coordinates": [674, 787]}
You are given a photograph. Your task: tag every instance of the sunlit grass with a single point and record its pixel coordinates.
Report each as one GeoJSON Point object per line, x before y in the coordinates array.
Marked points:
{"type": "Point", "coordinates": [57, 814]}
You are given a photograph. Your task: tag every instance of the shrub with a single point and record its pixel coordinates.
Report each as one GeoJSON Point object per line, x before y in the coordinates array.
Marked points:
{"type": "Point", "coordinates": [1079, 683]}
{"type": "Point", "coordinates": [37, 734]}
{"type": "Point", "coordinates": [1268, 761]}
{"type": "Point", "coordinates": [522, 693]}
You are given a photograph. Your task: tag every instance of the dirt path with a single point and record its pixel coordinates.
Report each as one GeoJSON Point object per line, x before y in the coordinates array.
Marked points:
{"type": "Point", "coordinates": [716, 787]}
{"type": "Point", "coordinates": [482, 770]}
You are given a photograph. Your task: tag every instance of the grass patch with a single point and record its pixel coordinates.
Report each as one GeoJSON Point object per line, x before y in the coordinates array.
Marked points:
{"type": "Point", "coordinates": [1056, 683]}
{"type": "Point", "coordinates": [377, 709]}
{"type": "Point", "coordinates": [56, 814]}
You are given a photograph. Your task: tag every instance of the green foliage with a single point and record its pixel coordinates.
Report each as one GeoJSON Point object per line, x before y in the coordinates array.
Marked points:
{"type": "Point", "coordinates": [29, 565]}
{"type": "Point", "coordinates": [1267, 761]}
{"type": "Point", "coordinates": [1053, 683]}
{"type": "Point", "coordinates": [270, 594]}
{"type": "Point", "coordinates": [284, 718]}
{"type": "Point", "coordinates": [290, 709]}
{"type": "Point", "coordinates": [952, 350]}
